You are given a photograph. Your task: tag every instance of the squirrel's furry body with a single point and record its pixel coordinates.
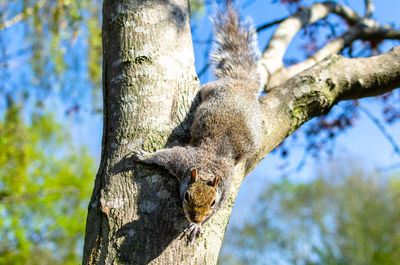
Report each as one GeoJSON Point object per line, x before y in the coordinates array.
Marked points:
{"type": "Point", "coordinates": [226, 126]}
{"type": "Point", "coordinates": [228, 118]}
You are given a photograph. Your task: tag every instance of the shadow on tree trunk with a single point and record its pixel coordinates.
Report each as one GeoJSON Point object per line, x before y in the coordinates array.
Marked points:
{"type": "Point", "coordinates": [157, 201]}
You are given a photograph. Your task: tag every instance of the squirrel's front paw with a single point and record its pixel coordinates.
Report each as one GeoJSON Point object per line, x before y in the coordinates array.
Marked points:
{"type": "Point", "coordinates": [192, 231]}
{"type": "Point", "coordinates": [140, 155]}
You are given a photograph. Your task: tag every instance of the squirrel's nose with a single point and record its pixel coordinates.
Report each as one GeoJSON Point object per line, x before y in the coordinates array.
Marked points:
{"type": "Point", "coordinates": [195, 219]}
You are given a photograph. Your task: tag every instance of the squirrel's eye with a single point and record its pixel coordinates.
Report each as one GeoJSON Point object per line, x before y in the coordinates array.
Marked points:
{"type": "Point", "coordinates": [186, 197]}
{"type": "Point", "coordinates": [213, 203]}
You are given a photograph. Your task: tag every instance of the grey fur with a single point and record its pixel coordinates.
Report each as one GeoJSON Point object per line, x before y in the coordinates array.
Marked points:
{"type": "Point", "coordinates": [226, 126]}
{"type": "Point", "coordinates": [236, 52]}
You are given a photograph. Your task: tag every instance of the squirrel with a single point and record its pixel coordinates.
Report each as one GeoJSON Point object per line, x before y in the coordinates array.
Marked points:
{"type": "Point", "coordinates": [225, 129]}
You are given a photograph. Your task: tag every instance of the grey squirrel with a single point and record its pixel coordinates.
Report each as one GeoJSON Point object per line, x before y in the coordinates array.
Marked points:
{"type": "Point", "coordinates": [226, 126]}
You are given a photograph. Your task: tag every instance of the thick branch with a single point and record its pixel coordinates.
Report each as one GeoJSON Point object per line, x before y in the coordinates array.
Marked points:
{"type": "Point", "coordinates": [316, 90]}
{"type": "Point", "coordinates": [272, 58]}
{"type": "Point", "coordinates": [358, 31]}
{"type": "Point", "coordinates": [380, 33]}
{"type": "Point", "coordinates": [345, 12]}
{"type": "Point", "coordinates": [332, 47]}
{"type": "Point", "coordinates": [275, 50]}
{"type": "Point", "coordinates": [366, 77]}
{"type": "Point", "coordinates": [269, 24]}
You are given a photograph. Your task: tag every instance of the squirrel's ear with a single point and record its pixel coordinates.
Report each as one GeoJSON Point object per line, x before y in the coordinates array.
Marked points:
{"type": "Point", "coordinates": [214, 183]}
{"type": "Point", "coordinates": [193, 174]}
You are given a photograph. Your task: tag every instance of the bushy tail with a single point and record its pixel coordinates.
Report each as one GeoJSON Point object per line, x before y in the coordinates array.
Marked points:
{"type": "Point", "coordinates": [236, 53]}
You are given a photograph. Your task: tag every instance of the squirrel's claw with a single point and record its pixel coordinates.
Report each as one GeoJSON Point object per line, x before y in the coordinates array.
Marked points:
{"type": "Point", "coordinates": [192, 231]}
{"type": "Point", "coordinates": [139, 155]}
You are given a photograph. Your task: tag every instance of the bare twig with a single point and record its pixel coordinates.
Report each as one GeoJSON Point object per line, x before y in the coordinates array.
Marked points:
{"type": "Point", "coordinates": [4, 198]}
{"type": "Point", "coordinates": [389, 168]}
{"type": "Point", "coordinates": [271, 59]}
{"type": "Point", "coordinates": [345, 12]}
{"type": "Point", "coordinates": [301, 163]}
{"type": "Point", "coordinates": [369, 8]}
{"type": "Point", "coordinates": [382, 128]}
{"type": "Point", "coordinates": [21, 16]}
{"type": "Point", "coordinates": [203, 70]}
{"type": "Point", "coordinates": [270, 24]}
{"type": "Point", "coordinates": [331, 27]}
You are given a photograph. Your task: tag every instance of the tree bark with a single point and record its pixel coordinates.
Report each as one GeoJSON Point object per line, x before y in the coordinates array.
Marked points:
{"type": "Point", "coordinates": [150, 92]}
{"type": "Point", "coordinates": [149, 89]}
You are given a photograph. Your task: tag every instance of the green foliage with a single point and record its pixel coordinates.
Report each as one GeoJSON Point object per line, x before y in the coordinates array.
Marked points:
{"type": "Point", "coordinates": [196, 7]}
{"type": "Point", "coordinates": [95, 46]}
{"type": "Point", "coordinates": [346, 220]}
{"type": "Point", "coordinates": [45, 184]}
{"type": "Point", "coordinates": [55, 37]}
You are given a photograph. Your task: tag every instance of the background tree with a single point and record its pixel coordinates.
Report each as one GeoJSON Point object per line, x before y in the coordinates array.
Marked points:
{"type": "Point", "coordinates": [43, 191]}
{"type": "Point", "coordinates": [335, 219]}
{"type": "Point", "coordinates": [149, 88]}
{"type": "Point", "coordinates": [45, 175]}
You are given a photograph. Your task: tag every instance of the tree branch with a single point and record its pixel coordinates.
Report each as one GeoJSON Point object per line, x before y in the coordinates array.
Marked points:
{"type": "Point", "coordinates": [269, 24]}
{"type": "Point", "coordinates": [358, 31]}
{"type": "Point", "coordinates": [272, 58]}
{"type": "Point", "coordinates": [380, 33]}
{"type": "Point", "coordinates": [382, 128]}
{"type": "Point", "coordinates": [5, 198]}
{"type": "Point", "coordinates": [345, 12]}
{"type": "Point", "coordinates": [21, 16]}
{"type": "Point", "coordinates": [369, 8]}
{"type": "Point", "coordinates": [371, 76]}
{"type": "Point", "coordinates": [316, 90]}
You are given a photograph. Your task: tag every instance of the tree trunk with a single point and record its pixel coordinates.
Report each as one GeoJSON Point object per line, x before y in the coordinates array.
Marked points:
{"type": "Point", "coordinates": [149, 87]}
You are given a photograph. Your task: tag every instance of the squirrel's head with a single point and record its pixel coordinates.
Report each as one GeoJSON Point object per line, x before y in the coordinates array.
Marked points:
{"type": "Point", "coordinates": [199, 197]}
